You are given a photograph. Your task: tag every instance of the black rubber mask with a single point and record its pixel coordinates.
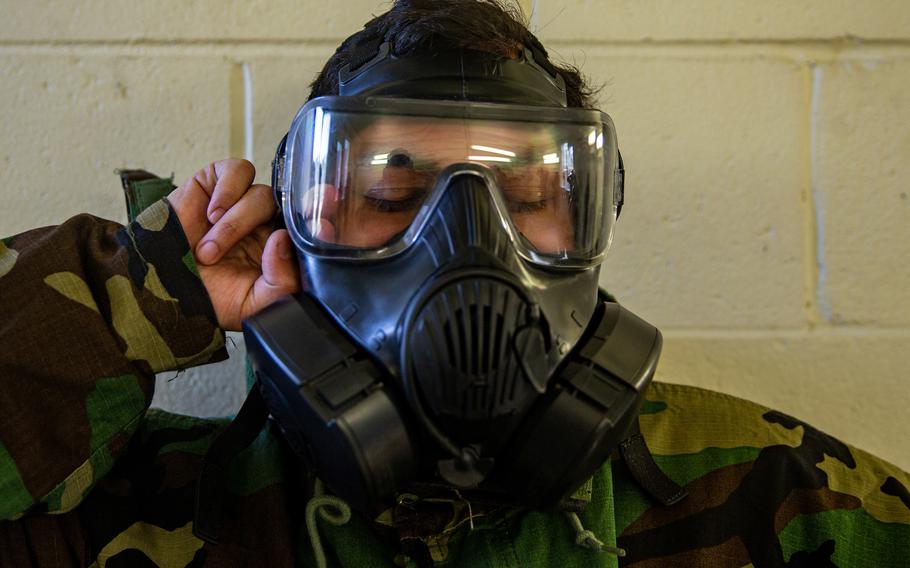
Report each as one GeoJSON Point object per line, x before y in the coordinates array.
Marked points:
{"type": "Point", "coordinates": [455, 358]}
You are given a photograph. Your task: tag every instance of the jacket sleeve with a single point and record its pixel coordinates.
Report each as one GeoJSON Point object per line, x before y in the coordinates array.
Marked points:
{"type": "Point", "coordinates": [765, 489]}
{"type": "Point", "coordinates": [89, 311]}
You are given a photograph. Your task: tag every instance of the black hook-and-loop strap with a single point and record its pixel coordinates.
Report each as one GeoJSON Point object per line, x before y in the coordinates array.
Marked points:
{"type": "Point", "coordinates": [646, 472]}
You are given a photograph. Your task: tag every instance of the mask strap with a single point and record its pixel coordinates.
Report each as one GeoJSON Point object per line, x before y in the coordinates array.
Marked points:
{"type": "Point", "coordinates": [211, 488]}
{"type": "Point", "coordinates": [452, 74]}
{"type": "Point", "coordinates": [620, 184]}
{"type": "Point", "coordinates": [647, 473]}
{"type": "Point", "coordinates": [278, 188]}
{"type": "Point", "coordinates": [368, 53]}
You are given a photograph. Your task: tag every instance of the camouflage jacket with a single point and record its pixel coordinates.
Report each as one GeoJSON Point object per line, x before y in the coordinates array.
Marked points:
{"type": "Point", "coordinates": [89, 476]}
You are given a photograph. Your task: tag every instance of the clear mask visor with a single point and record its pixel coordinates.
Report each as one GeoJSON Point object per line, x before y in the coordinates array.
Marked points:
{"type": "Point", "coordinates": [360, 182]}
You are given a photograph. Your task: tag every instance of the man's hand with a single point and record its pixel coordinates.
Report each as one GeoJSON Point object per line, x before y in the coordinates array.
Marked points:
{"type": "Point", "coordinates": [243, 264]}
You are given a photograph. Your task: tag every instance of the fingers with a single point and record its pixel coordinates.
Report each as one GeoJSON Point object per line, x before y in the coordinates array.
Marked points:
{"type": "Point", "coordinates": [256, 207]}
{"type": "Point", "coordinates": [280, 275]}
{"type": "Point", "coordinates": [233, 177]}
{"type": "Point", "coordinates": [203, 199]}
{"type": "Point", "coordinates": [190, 202]}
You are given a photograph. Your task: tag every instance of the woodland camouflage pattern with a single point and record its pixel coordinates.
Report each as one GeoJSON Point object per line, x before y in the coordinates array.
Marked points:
{"type": "Point", "coordinates": [90, 477]}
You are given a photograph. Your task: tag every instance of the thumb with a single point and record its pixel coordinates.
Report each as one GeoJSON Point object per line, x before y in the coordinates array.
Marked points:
{"type": "Point", "coordinates": [280, 275]}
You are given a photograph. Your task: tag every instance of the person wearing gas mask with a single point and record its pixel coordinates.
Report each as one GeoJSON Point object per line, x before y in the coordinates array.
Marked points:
{"type": "Point", "coordinates": [438, 378]}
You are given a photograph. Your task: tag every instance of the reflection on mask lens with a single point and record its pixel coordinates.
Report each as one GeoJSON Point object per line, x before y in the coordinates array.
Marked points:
{"type": "Point", "coordinates": [369, 176]}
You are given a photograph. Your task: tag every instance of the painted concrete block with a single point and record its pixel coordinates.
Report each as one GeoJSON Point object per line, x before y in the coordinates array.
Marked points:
{"type": "Point", "coordinates": [209, 20]}
{"type": "Point", "coordinates": [862, 192]}
{"type": "Point", "coordinates": [667, 20]}
{"type": "Point", "coordinates": [711, 233]}
{"type": "Point", "coordinates": [70, 120]}
{"type": "Point", "coordinates": [851, 385]}
{"type": "Point", "coordinates": [595, 20]}
{"type": "Point", "coordinates": [280, 86]}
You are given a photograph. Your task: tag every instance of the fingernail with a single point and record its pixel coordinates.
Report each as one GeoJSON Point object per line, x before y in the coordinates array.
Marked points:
{"type": "Point", "coordinates": [208, 251]}
{"type": "Point", "coordinates": [215, 215]}
{"type": "Point", "coordinates": [284, 249]}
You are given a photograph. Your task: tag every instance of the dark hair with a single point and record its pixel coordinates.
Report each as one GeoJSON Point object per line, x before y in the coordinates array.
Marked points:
{"type": "Point", "coordinates": [490, 26]}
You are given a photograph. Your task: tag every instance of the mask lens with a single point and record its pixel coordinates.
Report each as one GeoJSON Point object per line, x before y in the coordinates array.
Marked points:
{"type": "Point", "coordinates": [361, 182]}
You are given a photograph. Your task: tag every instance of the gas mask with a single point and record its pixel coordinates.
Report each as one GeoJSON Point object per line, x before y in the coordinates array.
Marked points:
{"type": "Point", "coordinates": [451, 327]}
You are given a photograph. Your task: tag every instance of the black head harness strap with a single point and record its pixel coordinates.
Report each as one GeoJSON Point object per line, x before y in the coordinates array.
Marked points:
{"type": "Point", "coordinates": [458, 74]}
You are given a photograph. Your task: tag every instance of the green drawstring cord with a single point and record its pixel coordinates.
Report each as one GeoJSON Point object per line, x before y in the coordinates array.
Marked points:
{"type": "Point", "coordinates": [332, 509]}
{"type": "Point", "coordinates": [587, 539]}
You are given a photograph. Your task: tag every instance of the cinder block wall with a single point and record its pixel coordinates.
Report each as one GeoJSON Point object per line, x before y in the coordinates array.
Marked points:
{"type": "Point", "coordinates": [767, 225]}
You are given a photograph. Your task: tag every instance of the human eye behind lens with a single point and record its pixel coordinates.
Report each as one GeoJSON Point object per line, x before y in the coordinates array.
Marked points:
{"type": "Point", "coordinates": [394, 201]}
{"type": "Point", "coordinates": [528, 190]}
{"type": "Point", "coordinates": [526, 198]}
{"type": "Point", "coordinates": [398, 189]}
{"type": "Point", "coordinates": [527, 207]}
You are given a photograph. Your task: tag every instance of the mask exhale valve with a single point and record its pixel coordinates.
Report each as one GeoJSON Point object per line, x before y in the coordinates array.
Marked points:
{"type": "Point", "coordinates": [462, 358]}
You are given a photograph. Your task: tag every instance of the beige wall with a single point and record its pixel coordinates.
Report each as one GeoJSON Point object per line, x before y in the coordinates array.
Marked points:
{"type": "Point", "coordinates": [767, 145]}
